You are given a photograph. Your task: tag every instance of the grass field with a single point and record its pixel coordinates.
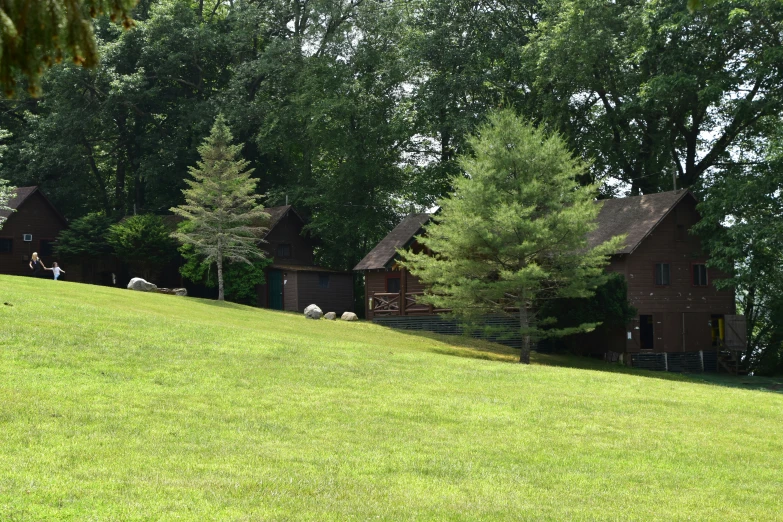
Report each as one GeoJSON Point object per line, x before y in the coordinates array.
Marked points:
{"type": "Point", "coordinates": [116, 405]}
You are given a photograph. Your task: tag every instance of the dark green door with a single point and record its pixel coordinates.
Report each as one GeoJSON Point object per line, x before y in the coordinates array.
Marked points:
{"type": "Point", "coordinates": [275, 289]}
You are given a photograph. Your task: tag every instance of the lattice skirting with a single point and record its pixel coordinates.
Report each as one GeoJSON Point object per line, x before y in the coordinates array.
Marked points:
{"type": "Point", "coordinates": [681, 362]}
{"type": "Point", "coordinates": [438, 324]}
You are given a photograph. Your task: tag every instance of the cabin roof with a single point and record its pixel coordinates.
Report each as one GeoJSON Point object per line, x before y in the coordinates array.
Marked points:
{"type": "Point", "coordinates": [385, 251]}
{"type": "Point", "coordinates": [635, 216]}
{"type": "Point", "coordinates": [305, 268]}
{"type": "Point", "coordinates": [22, 194]}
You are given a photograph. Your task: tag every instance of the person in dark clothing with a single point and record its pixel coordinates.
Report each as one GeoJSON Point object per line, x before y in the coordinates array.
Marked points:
{"type": "Point", "coordinates": [36, 265]}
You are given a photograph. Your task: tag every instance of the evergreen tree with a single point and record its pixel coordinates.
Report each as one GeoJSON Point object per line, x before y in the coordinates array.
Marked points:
{"type": "Point", "coordinates": [221, 206]}
{"type": "Point", "coordinates": [514, 231]}
{"type": "Point", "coordinates": [34, 35]}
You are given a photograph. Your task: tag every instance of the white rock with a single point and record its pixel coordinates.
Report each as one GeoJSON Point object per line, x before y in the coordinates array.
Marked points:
{"type": "Point", "coordinates": [330, 315]}
{"type": "Point", "coordinates": [313, 312]}
{"type": "Point", "coordinates": [349, 316]}
{"type": "Point", "coordinates": [181, 292]}
{"type": "Point", "coordinates": [141, 285]}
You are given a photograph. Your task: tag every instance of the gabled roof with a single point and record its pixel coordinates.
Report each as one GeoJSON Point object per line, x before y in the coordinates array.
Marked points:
{"type": "Point", "coordinates": [276, 214]}
{"type": "Point", "coordinates": [635, 216]}
{"type": "Point", "coordinates": [397, 238]}
{"type": "Point", "coordinates": [22, 194]}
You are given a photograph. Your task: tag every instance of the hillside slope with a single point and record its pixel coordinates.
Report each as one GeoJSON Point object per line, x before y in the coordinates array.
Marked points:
{"type": "Point", "coordinates": [117, 405]}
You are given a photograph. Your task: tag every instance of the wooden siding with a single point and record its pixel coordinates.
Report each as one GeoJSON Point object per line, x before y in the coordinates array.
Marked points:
{"type": "Point", "coordinates": [337, 297]}
{"type": "Point", "coordinates": [289, 231]}
{"type": "Point", "coordinates": [375, 282]}
{"type": "Point", "coordinates": [667, 304]}
{"type": "Point", "coordinates": [34, 216]}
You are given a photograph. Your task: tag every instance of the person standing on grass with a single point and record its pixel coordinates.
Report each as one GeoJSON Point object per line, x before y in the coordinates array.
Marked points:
{"type": "Point", "coordinates": [36, 265]}
{"type": "Point", "coordinates": [56, 270]}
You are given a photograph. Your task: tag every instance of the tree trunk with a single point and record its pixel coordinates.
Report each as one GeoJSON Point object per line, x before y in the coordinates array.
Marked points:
{"type": "Point", "coordinates": [524, 323]}
{"type": "Point", "coordinates": [221, 295]}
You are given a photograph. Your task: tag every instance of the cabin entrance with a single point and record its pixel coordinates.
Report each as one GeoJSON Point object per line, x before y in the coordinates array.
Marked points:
{"type": "Point", "coordinates": [275, 286]}
{"type": "Point", "coordinates": [646, 332]}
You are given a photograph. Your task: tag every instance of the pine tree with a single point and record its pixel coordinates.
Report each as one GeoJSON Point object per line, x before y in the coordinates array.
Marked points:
{"type": "Point", "coordinates": [221, 206]}
{"type": "Point", "coordinates": [36, 34]}
{"type": "Point", "coordinates": [514, 231]}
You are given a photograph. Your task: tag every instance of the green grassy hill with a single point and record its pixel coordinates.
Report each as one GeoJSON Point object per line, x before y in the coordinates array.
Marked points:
{"type": "Point", "coordinates": [116, 405]}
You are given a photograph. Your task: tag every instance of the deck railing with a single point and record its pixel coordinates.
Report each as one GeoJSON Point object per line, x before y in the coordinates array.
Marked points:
{"type": "Point", "coordinates": [390, 303]}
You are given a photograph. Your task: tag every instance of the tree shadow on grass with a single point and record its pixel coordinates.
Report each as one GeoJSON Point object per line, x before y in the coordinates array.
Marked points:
{"type": "Point", "coordinates": [468, 347]}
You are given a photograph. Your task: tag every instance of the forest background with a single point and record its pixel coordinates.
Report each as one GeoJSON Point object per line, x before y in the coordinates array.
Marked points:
{"type": "Point", "coordinates": [355, 111]}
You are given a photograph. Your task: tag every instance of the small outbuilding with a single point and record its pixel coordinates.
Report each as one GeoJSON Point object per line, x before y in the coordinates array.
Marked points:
{"type": "Point", "coordinates": [293, 281]}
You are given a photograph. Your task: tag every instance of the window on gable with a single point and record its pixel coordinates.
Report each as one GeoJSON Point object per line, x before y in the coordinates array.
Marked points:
{"type": "Point", "coordinates": [682, 233]}
{"type": "Point", "coordinates": [6, 245]}
{"type": "Point", "coordinates": [284, 250]}
{"type": "Point", "coordinates": [700, 275]}
{"type": "Point", "coordinates": [662, 274]}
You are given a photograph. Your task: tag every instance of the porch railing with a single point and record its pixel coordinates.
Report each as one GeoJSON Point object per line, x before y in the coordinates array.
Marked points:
{"type": "Point", "coordinates": [394, 303]}
{"type": "Point", "coordinates": [390, 303]}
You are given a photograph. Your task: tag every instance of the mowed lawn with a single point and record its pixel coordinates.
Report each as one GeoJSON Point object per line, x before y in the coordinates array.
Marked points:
{"type": "Point", "coordinates": [117, 405]}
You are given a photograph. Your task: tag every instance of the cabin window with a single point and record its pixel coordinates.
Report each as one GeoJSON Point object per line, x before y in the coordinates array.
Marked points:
{"type": "Point", "coordinates": [393, 285]}
{"type": "Point", "coordinates": [682, 233]}
{"type": "Point", "coordinates": [6, 245]}
{"type": "Point", "coordinates": [662, 274]}
{"type": "Point", "coordinates": [699, 274]}
{"type": "Point", "coordinates": [46, 248]}
{"type": "Point", "coordinates": [284, 250]}
{"type": "Point", "coordinates": [323, 280]}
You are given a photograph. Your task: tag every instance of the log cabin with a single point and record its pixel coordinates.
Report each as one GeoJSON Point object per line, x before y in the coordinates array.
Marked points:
{"type": "Point", "coordinates": [293, 281]}
{"type": "Point", "coordinates": [31, 226]}
{"type": "Point", "coordinates": [683, 320]}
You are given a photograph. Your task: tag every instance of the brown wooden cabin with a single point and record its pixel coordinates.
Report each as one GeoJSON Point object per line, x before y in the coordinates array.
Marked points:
{"type": "Point", "coordinates": [31, 226]}
{"type": "Point", "coordinates": [293, 281]}
{"type": "Point", "coordinates": [679, 310]}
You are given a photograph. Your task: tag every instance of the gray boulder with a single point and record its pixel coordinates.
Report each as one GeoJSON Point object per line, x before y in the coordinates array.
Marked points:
{"type": "Point", "coordinates": [330, 316]}
{"type": "Point", "coordinates": [349, 316]}
{"type": "Point", "coordinates": [182, 292]}
{"type": "Point", "coordinates": [141, 285]}
{"type": "Point", "coordinates": [313, 312]}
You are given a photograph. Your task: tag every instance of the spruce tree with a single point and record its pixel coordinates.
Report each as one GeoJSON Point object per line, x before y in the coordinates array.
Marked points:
{"type": "Point", "coordinates": [221, 205]}
{"type": "Point", "coordinates": [514, 230]}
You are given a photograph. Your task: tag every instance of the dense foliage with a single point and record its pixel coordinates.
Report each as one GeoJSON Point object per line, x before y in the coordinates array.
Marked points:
{"type": "Point", "coordinates": [36, 34]}
{"type": "Point", "coordinates": [85, 237]}
{"type": "Point", "coordinates": [144, 243]}
{"type": "Point", "coordinates": [513, 234]}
